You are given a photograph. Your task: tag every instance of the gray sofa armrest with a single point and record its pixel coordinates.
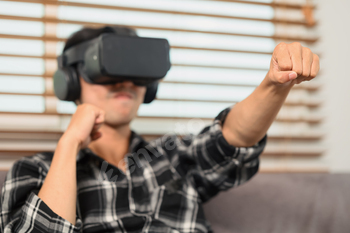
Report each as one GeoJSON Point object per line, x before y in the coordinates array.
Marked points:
{"type": "Point", "coordinates": [284, 203]}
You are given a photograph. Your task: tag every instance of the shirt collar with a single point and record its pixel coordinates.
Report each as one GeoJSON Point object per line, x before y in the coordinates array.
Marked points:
{"type": "Point", "coordinates": [135, 142]}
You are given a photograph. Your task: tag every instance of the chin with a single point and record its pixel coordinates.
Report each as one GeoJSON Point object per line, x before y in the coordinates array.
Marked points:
{"type": "Point", "coordinates": [121, 111]}
{"type": "Point", "coordinates": [120, 117]}
{"type": "Point", "coordinates": [116, 122]}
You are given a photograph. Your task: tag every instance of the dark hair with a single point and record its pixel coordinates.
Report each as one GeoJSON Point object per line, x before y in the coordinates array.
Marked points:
{"type": "Point", "coordinates": [88, 33]}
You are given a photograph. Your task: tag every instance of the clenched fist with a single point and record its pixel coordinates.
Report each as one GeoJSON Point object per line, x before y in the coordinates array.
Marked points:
{"type": "Point", "coordinates": [292, 64]}
{"type": "Point", "coordinates": [84, 125]}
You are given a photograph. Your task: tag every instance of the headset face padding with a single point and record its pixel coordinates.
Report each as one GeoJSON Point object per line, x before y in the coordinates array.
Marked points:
{"type": "Point", "coordinates": [66, 84]}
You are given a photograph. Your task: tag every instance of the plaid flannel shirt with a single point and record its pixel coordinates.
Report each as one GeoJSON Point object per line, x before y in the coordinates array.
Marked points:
{"type": "Point", "coordinates": [162, 190]}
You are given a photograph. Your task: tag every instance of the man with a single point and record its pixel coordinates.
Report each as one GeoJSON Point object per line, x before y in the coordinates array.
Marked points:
{"type": "Point", "coordinates": [158, 186]}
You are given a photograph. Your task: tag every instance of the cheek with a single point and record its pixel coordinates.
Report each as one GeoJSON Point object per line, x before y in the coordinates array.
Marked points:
{"type": "Point", "coordinates": [94, 94]}
{"type": "Point", "coordinates": [141, 93]}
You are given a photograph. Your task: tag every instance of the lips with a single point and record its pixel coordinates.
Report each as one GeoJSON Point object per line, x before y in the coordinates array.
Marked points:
{"type": "Point", "coordinates": [123, 94]}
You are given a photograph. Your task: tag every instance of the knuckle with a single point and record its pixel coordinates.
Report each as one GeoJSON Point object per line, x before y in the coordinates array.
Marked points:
{"type": "Point", "coordinates": [313, 74]}
{"type": "Point", "coordinates": [84, 106]}
{"type": "Point", "coordinates": [306, 74]}
{"type": "Point", "coordinates": [307, 50]}
{"type": "Point", "coordinates": [296, 44]}
{"type": "Point", "coordinates": [299, 71]}
{"type": "Point", "coordinates": [89, 108]}
{"type": "Point", "coordinates": [281, 45]}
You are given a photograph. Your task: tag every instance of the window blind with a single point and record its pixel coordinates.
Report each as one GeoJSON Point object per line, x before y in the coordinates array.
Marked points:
{"type": "Point", "coordinates": [220, 52]}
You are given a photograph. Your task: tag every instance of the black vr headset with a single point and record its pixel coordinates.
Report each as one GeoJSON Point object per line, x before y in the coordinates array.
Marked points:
{"type": "Point", "coordinates": [112, 58]}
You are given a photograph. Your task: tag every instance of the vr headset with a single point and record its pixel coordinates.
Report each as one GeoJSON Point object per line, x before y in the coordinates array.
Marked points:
{"type": "Point", "coordinates": [112, 58]}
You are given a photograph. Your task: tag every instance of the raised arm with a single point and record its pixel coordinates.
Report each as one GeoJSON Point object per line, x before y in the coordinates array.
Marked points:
{"type": "Point", "coordinates": [59, 190]}
{"type": "Point", "coordinates": [39, 193]}
{"type": "Point", "coordinates": [249, 120]}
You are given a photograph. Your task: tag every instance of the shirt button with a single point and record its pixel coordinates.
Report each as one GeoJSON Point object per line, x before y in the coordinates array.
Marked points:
{"type": "Point", "coordinates": [236, 162]}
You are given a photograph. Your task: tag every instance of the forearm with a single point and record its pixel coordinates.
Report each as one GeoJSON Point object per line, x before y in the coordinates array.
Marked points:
{"type": "Point", "coordinates": [249, 120]}
{"type": "Point", "coordinates": [59, 190]}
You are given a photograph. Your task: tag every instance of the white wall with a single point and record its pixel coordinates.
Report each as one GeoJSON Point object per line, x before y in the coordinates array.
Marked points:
{"type": "Point", "coordinates": [334, 30]}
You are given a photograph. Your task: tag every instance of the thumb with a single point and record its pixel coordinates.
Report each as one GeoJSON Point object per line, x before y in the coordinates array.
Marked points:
{"type": "Point", "coordinates": [285, 76]}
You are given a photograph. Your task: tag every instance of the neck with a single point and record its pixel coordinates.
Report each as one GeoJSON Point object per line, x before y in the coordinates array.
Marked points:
{"type": "Point", "coordinates": [113, 145]}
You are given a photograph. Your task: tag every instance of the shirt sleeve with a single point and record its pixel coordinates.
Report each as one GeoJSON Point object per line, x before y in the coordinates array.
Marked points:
{"type": "Point", "coordinates": [213, 164]}
{"type": "Point", "coordinates": [21, 208]}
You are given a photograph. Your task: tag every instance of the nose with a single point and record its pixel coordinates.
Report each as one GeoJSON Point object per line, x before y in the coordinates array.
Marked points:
{"type": "Point", "coordinates": [127, 84]}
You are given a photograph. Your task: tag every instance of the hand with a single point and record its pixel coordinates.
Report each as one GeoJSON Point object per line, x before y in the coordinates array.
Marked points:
{"type": "Point", "coordinates": [84, 125]}
{"type": "Point", "coordinates": [292, 64]}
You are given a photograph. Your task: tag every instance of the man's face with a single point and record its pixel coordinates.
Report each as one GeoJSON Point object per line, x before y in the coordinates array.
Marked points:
{"type": "Point", "coordinates": [120, 101]}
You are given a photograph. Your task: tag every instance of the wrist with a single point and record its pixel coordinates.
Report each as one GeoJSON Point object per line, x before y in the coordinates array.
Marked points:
{"type": "Point", "coordinates": [70, 142]}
